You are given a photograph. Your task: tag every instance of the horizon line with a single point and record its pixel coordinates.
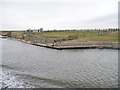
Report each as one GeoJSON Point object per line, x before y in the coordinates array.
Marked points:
{"type": "Point", "coordinates": [67, 29]}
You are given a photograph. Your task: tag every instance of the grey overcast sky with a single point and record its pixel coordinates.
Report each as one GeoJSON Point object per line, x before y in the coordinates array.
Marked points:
{"type": "Point", "coordinates": [58, 14]}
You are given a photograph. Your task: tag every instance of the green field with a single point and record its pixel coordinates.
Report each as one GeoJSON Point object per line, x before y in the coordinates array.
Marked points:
{"type": "Point", "coordinates": [82, 35]}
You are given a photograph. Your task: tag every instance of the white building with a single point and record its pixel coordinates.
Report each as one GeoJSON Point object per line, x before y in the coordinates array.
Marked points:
{"type": "Point", "coordinates": [35, 30]}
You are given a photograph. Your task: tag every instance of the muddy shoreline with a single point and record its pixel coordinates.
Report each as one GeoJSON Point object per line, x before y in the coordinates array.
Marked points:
{"type": "Point", "coordinates": [75, 45]}
{"type": "Point", "coordinates": [86, 45]}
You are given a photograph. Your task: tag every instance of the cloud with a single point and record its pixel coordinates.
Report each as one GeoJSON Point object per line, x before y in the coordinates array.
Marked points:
{"type": "Point", "coordinates": [107, 20]}
{"type": "Point", "coordinates": [62, 14]}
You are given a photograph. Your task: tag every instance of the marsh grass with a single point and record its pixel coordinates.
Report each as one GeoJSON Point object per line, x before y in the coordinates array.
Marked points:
{"type": "Point", "coordinates": [82, 35]}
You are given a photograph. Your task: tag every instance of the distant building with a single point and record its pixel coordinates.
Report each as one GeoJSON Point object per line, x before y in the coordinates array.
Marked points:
{"type": "Point", "coordinates": [35, 30]}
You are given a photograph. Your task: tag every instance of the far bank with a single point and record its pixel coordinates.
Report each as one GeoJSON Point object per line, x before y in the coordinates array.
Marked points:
{"type": "Point", "coordinates": [83, 39]}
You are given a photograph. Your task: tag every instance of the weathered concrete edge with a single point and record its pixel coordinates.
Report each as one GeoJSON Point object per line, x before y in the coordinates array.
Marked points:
{"type": "Point", "coordinates": [72, 47]}
{"type": "Point", "coordinates": [66, 47]}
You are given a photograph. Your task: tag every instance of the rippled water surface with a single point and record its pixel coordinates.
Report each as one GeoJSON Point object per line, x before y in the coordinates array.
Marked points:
{"type": "Point", "coordinates": [33, 66]}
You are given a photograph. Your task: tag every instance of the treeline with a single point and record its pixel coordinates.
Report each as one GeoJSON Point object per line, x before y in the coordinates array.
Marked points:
{"type": "Point", "coordinates": [109, 29]}
{"type": "Point", "coordinates": [22, 34]}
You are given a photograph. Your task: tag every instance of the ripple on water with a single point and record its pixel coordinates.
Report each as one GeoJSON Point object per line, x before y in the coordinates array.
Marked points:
{"type": "Point", "coordinates": [66, 68]}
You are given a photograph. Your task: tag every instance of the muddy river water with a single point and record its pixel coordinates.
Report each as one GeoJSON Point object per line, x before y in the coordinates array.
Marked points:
{"type": "Point", "coordinates": [24, 65]}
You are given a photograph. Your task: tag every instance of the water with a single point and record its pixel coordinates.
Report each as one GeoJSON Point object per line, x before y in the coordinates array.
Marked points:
{"type": "Point", "coordinates": [25, 65]}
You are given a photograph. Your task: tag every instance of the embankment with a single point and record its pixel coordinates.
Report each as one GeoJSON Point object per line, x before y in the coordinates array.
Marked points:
{"type": "Point", "coordinates": [81, 45]}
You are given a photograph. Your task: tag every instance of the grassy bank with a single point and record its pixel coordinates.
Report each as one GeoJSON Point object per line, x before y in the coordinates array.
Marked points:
{"type": "Point", "coordinates": [69, 39]}
{"type": "Point", "coordinates": [82, 36]}
{"type": "Point", "coordinates": [74, 36]}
